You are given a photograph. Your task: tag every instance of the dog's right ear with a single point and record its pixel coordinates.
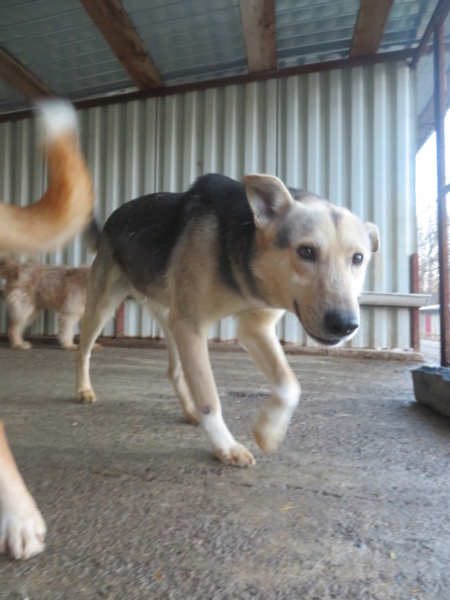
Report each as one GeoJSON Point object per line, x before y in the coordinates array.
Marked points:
{"type": "Point", "coordinates": [268, 197]}
{"type": "Point", "coordinates": [374, 236]}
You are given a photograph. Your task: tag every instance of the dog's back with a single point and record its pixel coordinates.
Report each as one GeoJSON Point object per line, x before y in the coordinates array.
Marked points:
{"type": "Point", "coordinates": [212, 220]}
{"type": "Point", "coordinates": [9, 269]}
{"type": "Point", "coordinates": [45, 286]}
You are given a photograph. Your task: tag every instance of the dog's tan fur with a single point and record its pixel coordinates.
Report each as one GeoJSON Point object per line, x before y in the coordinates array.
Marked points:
{"type": "Point", "coordinates": [193, 293]}
{"type": "Point", "coordinates": [32, 287]}
{"type": "Point", "coordinates": [61, 213]}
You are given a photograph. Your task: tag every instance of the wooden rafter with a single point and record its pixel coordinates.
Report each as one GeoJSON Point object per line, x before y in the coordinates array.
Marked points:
{"type": "Point", "coordinates": [19, 78]}
{"type": "Point", "coordinates": [118, 30]}
{"type": "Point", "coordinates": [258, 24]}
{"type": "Point", "coordinates": [370, 25]}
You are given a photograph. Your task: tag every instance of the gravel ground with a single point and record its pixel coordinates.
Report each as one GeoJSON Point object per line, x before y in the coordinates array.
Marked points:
{"type": "Point", "coordinates": [353, 506]}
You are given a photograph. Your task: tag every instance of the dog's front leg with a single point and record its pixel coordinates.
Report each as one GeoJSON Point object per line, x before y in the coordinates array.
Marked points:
{"type": "Point", "coordinates": [256, 332]}
{"type": "Point", "coordinates": [22, 528]}
{"type": "Point", "coordinates": [193, 349]}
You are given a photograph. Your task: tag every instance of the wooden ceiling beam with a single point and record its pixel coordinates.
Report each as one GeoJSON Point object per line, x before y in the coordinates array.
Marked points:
{"type": "Point", "coordinates": [19, 78]}
{"type": "Point", "coordinates": [118, 30]}
{"type": "Point", "coordinates": [258, 25]}
{"type": "Point", "coordinates": [370, 25]}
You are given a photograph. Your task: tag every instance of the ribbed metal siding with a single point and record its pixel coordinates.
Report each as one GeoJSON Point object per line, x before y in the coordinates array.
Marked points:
{"type": "Point", "coordinates": [345, 134]}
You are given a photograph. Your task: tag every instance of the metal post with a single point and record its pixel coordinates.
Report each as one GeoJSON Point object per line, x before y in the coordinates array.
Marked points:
{"type": "Point", "coordinates": [439, 112]}
{"type": "Point", "coordinates": [415, 289]}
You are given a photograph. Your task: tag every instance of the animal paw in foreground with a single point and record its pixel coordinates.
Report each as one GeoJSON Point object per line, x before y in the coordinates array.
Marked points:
{"type": "Point", "coordinates": [85, 396]}
{"type": "Point", "coordinates": [22, 528]}
{"type": "Point", "coordinates": [237, 456]}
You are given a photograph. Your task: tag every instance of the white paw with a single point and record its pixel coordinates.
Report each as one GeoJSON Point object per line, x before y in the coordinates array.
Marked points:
{"type": "Point", "coordinates": [22, 528]}
{"type": "Point", "coordinates": [236, 455]}
{"type": "Point", "coordinates": [86, 396]}
{"type": "Point", "coordinates": [269, 431]}
{"type": "Point", "coordinates": [22, 346]}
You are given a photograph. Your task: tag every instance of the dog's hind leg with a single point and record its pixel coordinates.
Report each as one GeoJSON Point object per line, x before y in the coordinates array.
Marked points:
{"type": "Point", "coordinates": [192, 345]}
{"type": "Point", "coordinates": [256, 332]}
{"type": "Point", "coordinates": [104, 294]}
{"type": "Point", "coordinates": [175, 370]}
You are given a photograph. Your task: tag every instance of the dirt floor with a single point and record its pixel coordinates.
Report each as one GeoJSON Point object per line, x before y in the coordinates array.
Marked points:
{"type": "Point", "coordinates": [354, 506]}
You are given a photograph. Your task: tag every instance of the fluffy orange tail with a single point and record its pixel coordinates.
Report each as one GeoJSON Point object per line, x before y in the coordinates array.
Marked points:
{"type": "Point", "coordinates": [65, 208]}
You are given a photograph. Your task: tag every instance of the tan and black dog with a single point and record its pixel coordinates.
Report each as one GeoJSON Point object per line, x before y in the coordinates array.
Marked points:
{"type": "Point", "coordinates": [223, 248]}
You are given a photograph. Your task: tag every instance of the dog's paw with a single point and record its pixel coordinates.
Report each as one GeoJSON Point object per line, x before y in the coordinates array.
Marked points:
{"type": "Point", "coordinates": [269, 433]}
{"type": "Point", "coordinates": [70, 346]}
{"type": "Point", "coordinates": [236, 455]}
{"type": "Point", "coordinates": [22, 346]}
{"type": "Point", "coordinates": [22, 528]}
{"type": "Point", "coordinates": [85, 396]}
{"type": "Point", "coordinates": [191, 416]}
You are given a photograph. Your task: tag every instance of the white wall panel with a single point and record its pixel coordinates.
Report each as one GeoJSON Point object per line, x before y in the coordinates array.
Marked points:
{"type": "Point", "coordinates": [345, 134]}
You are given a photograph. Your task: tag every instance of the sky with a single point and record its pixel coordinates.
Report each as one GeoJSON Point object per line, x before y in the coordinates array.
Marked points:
{"type": "Point", "coordinates": [426, 176]}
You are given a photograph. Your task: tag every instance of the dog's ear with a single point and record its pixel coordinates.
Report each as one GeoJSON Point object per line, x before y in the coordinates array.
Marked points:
{"type": "Point", "coordinates": [268, 197]}
{"type": "Point", "coordinates": [374, 236]}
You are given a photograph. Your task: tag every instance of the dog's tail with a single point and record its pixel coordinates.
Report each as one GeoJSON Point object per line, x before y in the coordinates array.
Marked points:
{"type": "Point", "coordinates": [65, 208]}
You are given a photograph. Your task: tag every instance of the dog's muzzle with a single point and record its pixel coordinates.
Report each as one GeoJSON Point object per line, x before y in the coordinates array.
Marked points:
{"type": "Point", "coordinates": [337, 326]}
{"type": "Point", "coordinates": [340, 323]}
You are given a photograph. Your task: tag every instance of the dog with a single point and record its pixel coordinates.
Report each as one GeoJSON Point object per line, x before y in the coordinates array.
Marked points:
{"type": "Point", "coordinates": [222, 248]}
{"type": "Point", "coordinates": [62, 212]}
{"type": "Point", "coordinates": [32, 287]}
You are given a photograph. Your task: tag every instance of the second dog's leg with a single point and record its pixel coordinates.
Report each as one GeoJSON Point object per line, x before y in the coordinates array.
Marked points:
{"type": "Point", "coordinates": [66, 325]}
{"type": "Point", "coordinates": [193, 348]}
{"type": "Point", "coordinates": [175, 370]}
{"type": "Point", "coordinates": [20, 316]}
{"type": "Point", "coordinates": [256, 332]}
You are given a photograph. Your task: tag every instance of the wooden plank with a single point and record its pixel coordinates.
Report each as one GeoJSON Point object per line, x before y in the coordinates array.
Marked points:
{"type": "Point", "coordinates": [395, 299]}
{"type": "Point", "coordinates": [19, 78]}
{"type": "Point", "coordinates": [118, 30]}
{"type": "Point", "coordinates": [258, 25]}
{"type": "Point", "coordinates": [370, 25]}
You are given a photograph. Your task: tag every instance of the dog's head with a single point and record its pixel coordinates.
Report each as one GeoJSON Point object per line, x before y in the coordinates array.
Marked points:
{"type": "Point", "coordinates": [312, 257]}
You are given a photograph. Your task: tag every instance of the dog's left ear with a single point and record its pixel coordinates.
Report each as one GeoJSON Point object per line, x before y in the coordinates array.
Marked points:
{"type": "Point", "coordinates": [374, 236]}
{"type": "Point", "coordinates": [268, 197]}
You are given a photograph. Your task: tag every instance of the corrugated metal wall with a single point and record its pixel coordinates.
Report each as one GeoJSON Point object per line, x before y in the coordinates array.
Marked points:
{"type": "Point", "coordinates": [345, 134]}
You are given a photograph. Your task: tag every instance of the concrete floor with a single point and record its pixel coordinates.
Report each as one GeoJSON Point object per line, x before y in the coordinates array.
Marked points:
{"type": "Point", "coordinates": [354, 506]}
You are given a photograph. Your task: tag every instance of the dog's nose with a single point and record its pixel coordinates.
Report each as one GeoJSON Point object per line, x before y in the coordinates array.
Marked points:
{"type": "Point", "coordinates": [340, 322]}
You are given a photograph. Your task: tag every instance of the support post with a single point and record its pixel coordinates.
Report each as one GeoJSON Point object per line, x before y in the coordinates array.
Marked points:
{"type": "Point", "coordinates": [439, 111]}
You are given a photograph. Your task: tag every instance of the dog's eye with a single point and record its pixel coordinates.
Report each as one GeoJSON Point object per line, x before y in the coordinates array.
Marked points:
{"type": "Point", "coordinates": [357, 258]}
{"type": "Point", "coordinates": [306, 252]}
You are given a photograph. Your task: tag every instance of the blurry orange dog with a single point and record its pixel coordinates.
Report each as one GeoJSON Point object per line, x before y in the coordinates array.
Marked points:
{"type": "Point", "coordinates": [32, 287]}
{"type": "Point", "coordinates": [56, 218]}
